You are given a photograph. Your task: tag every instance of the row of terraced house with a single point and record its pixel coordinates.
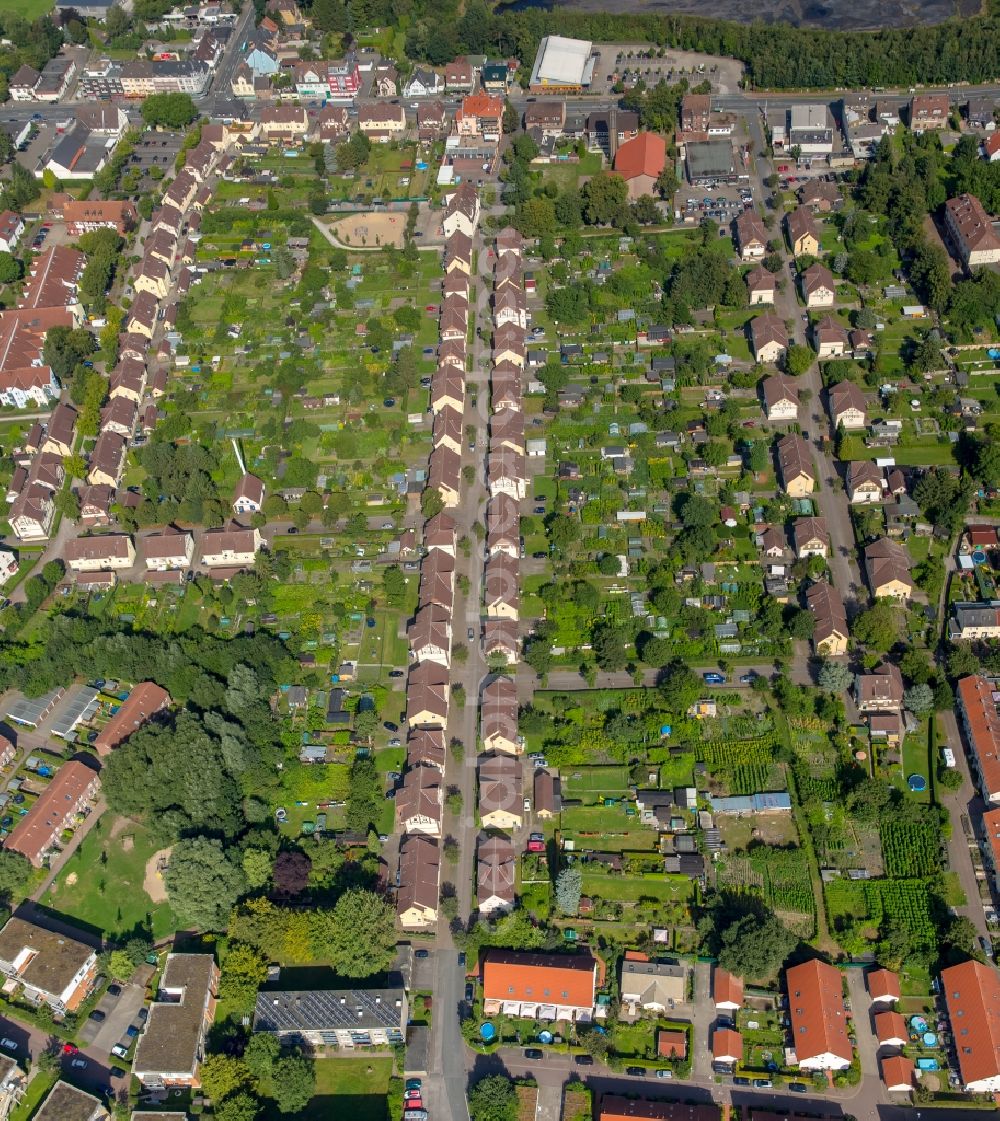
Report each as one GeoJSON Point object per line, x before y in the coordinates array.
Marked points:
{"type": "Point", "coordinates": [420, 799]}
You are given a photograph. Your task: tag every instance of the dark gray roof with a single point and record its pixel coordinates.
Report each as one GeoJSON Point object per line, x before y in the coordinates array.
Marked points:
{"type": "Point", "coordinates": [309, 1010]}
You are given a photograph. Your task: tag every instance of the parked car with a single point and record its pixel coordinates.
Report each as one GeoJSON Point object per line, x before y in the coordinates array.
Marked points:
{"type": "Point", "coordinates": [8, 1044]}
{"type": "Point", "coordinates": [98, 1016]}
{"type": "Point", "coordinates": [584, 1060]}
{"type": "Point", "coordinates": [117, 1072]}
{"type": "Point", "coordinates": [663, 1072]}
{"type": "Point", "coordinates": [740, 1081]}
{"type": "Point", "coordinates": [79, 1064]}
{"type": "Point", "coordinates": [422, 954]}
{"type": "Point", "coordinates": [798, 1087]}
{"type": "Point", "coordinates": [470, 992]}
{"type": "Point", "coordinates": [410, 1094]}
{"type": "Point", "coordinates": [763, 1083]}
{"type": "Point", "coordinates": [636, 1072]}
{"type": "Point", "coordinates": [714, 678]}
{"type": "Point", "coordinates": [413, 1084]}
{"type": "Point", "coordinates": [533, 1053]}
{"type": "Point", "coordinates": [114, 991]}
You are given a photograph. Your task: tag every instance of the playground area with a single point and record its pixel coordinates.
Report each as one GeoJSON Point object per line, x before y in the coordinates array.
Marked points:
{"type": "Point", "coordinates": [370, 230]}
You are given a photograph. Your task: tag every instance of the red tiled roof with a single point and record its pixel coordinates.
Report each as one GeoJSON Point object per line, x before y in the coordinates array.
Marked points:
{"type": "Point", "coordinates": [816, 1009]}
{"type": "Point", "coordinates": [672, 1044]}
{"type": "Point", "coordinates": [897, 1070]}
{"type": "Point", "coordinates": [614, 1108]}
{"type": "Point", "coordinates": [726, 989]}
{"type": "Point", "coordinates": [889, 1026]}
{"type": "Point", "coordinates": [542, 978]}
{"type": "Point", "coordinates": [972, 992]}
{"type": "Point", "coordinates": [982, 723]}
{"type": "Point", "coordinates": [726, 1043]}
{"type": "Point", "coordinates": [882, 984]}
{"type": "Point", "coordinates": [645, 155]}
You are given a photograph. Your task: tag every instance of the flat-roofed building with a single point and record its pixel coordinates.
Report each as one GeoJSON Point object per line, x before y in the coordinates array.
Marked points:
{"type": "Point", "coordinates": [171, 1047]}
{"type": "Point", "coordinates": [341, 1018]}
{"type": "Point", "coordinates": [562, 65]}
{"type": "Point", "coordinates": [66, 1103]}
{"type": "Point", "coordinates": [53, 968]}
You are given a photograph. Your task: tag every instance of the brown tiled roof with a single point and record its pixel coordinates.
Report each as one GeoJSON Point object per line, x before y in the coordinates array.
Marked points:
{"type": "Point", "coordinates": [500, 785]}
{"type": "Point", "coordinates": [808, 529]}
{"type": "Point", "coordinates": [495, 869]}
{"type": "Point", "coordinates": [829, 615]}
{"type": "Point", "coordinates": [145, 700]}
{"type": "Point", "coordinates": [886, 561]}
{"type": "Point", "coordinates": [800, 223]}
{"type": "Point", "coordinates": [794, 458]}
{"type": "Point", "coordinates": [726, 987]}
{"type": "Point", "coordinates": [777, 388]}
{"type": "Point", "coordinates": [498, 710]}
{"type": "Point", "coordinates": [767, 328]}
{"type": "Point", "coordinates": [883, 984]}
{"type": "Point", "coordinates": [817, 276]}
{"type": "Point", "coordinates": [419, 870]}
{"type": "Point", "coordinates": [34, 833]}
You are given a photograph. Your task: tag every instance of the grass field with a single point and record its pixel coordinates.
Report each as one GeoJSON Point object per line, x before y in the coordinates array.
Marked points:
{"type": "Point", "coordinates": [632, 890]}
{"type": "Point", "coordinates": [30, 9]}
{"type": "Point", "coordinates": [354, 1088]}
{"type": "Point", "coordinates": [101, 885]}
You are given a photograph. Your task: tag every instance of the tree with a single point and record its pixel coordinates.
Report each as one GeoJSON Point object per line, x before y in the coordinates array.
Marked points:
{"type": "Point", "coordinates": [353, 956]}
{"type": "Point", "coordinates": [244, 970]}
{"type": "Point", "coordinates": [755, 945]}
{"type": "Point", "coordinates": [605, 199]}
{"type": "Point", "coordinates": [667, 183]}
{"type": "Point", "coordinates": [10, 267]}
{"type": "Point", "coordinates": [562, 531]}
{"type": "Point", "coordinates": [120, 965]}
{"type": "Point", "coordinates": [291, 872]}
{"type": "Point", "coordinates": [679, 687]}
{"type": "Point", "coordinates": [798, 359]}
{"type": "Point", "coordinates": [835, 677]}
{"type": "Point", "coordinates": [431, 502]}
{"type": "Point", "coordinates": [294, 1079]}
{"type": "Point", "coordinates": [569, 885]}
{"type": "Point", "coordinates": [241, 1106]}
{"type": "Point", "coordinates": [919, 699]}
{"type": "Point", "coordinates": [169, 110]}
{"type": "Point", "coordinates": [203, 882]}
{"type": "Point", "coordinates": [493, 1099]}
{"type": "Point", "coordinates": [962, 661]}
{"type": "Point", "coordinates": [879, 626]}
{"type": "Point", "coordinates": [870, 799]}
{"type": "Point", "coordinates": [222, 1075]}
{"type": "Point", "coordinates": [261, 1052]}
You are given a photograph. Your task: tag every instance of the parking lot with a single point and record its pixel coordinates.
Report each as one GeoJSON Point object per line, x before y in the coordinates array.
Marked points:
{"type": "Point", "coordinates": [721, 204]}
{"type": "Point", "coordinates": [119, 1012]}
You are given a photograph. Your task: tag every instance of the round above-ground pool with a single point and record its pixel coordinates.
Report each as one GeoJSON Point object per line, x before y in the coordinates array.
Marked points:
{"type": "Point", "coordinates": [930, 1039]}
{"type": "Point", "coordinates": [487, 1032]}
{"type": "Point", "coordinates": [918, 1023]}
{"type": "Point", "coordinates": [917, 783]}
{"type": "Point", "coordinates": [978, 556]}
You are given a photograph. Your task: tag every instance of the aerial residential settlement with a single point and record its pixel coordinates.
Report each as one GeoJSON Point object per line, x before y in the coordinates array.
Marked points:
{"type": "Point", "coordinates": [499, 571]}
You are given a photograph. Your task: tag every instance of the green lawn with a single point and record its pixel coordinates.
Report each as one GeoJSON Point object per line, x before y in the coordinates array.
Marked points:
{"type": "Point", "coordinates": [632, 889]}
{"type": "Point", "coordinates": [101, 885]}
{"type": "Point", "coordinates": [30, 9]}
{"type": "Point", "coordinates": [354, 1088]}
{"type": "Point", "coordinates": [38, 1087]}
